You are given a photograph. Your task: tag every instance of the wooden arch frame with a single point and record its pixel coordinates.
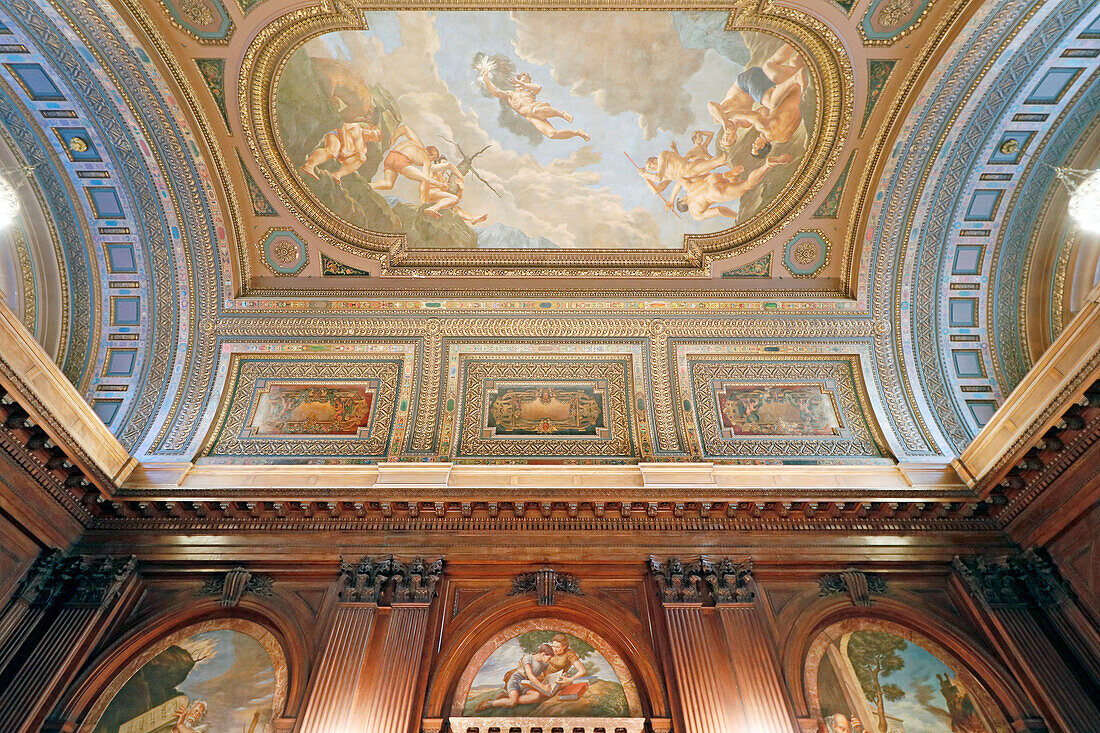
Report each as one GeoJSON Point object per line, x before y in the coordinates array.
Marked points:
{"type": "Point", "coordinates": [488, 616]}
{"type": "Point", "coordinates": [87, 697]}
{"type": "Point", "coordinates": [917, 621]}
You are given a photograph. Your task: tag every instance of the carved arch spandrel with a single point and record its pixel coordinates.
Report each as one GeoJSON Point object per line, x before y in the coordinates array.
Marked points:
{"type": "Point", "coordinates": [491, 615]}
{"type": "Point", "coordinates": [910, 617]}
{"type": "Point", "coordinates": [88, 696]}
{"type": "Point", "coordinates": [271, 48]}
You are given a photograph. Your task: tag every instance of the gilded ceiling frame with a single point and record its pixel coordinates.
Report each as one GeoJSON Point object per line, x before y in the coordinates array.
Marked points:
{"type": "Point", "coordinates": [271, 48]}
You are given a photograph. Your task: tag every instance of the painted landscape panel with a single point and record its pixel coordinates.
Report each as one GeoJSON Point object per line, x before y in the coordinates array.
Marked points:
{"type": "Point", "coordinates": [311, 409]}
{"type": "Point", "coordinates": [546, 673]}
{"type": "Point", "coordinates": [545, 130]}
{"type": "Point", "coordinates": [776, 409]}
{"type": "Point", "coordinates": [872, 681]}
{"type": "Point", "coordinates": [221, 680]}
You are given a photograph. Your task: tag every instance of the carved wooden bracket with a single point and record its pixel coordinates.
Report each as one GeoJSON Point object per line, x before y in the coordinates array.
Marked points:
{"type": "Point", "coordinates": [545, 582]}
{"type": "Point", "coordinates": [235, 584]}
{"type": "Point", "coordinates": [858, 584]}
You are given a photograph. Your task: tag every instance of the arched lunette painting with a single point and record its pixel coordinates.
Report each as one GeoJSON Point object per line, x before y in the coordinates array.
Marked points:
{"type": "Point", "coordinates": [869, 679]}
{"type": "Point", "coordinates": [547, 669]}
{"type": "Point", "coordinates": [227, 676]}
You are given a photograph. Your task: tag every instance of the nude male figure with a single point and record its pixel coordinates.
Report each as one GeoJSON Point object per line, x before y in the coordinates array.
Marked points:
{"type": "Point", "coordinates": [348, 145]}
{"type": "Point", "coordinates": [670, 166]}
{"type": "Point", "coordinates": [781, 77]}
{"type": "Point", "coordinates": [445, 191]}
{"type": "Point", "coordinates": [702, 195]}
{"type": "Point", "coordinates": [522, 98]}
{"type": "Point", "coordinates": [407, 157]}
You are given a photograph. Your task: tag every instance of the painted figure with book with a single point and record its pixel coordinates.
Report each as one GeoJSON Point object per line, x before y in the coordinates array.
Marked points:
{"type": "Point", "coordinates": [546, 673]}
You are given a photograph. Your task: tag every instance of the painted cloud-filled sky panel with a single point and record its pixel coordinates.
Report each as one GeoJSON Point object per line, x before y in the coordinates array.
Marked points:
{"type": "Point", "coordinates": [545, 130]}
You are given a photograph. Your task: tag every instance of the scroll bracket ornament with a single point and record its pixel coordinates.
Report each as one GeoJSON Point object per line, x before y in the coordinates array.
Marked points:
{"type": "Point", "coordinates": [545, 582]}
{"type": "Point", "coordinates": [857, 584]}
{"type": "Point", "coordinates": [232, 586]}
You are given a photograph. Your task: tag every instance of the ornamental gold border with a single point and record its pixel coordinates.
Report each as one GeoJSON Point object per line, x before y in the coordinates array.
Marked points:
{"type": "Point", "coordinates": [273, 45]}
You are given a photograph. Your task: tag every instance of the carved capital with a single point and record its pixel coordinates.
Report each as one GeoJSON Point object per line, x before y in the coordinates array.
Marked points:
{"type": "Point", "coordinates": [676, 581]}
{"type": "Point", "coordinates": [857, 584]}
{"type": "Point", "coordinates": [98, 581]}
{"type": "Point", "coordinates": [45, 580]}
{"type": "Point", "coordinates": [545, 582]}
{"type": "Point", "coordinates": [415, 582]}
{"type": "Point", "coordinates": [1016, 581]}
{"type": "Point", "coordinates": [728, 581]}
{"type": "Point", "coordinates": [364, 581]}
{"type": "Point", "coordinates": [234, 584]}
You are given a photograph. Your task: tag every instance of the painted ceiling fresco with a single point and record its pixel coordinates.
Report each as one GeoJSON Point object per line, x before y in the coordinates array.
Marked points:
{"type": "Point", "coordinates": [262, 240]}
{"type": "Point", "coordinates": [535, 130]}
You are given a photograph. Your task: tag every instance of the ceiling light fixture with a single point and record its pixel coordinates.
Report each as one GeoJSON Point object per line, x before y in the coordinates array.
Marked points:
{"type": "Point", "coordinates": [9, 202]}
{"type": "Point", "coordinates": [1084, 196]}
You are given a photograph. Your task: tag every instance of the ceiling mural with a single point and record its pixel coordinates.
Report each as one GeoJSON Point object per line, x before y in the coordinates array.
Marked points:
{"type": "Point", "coordinates": [545, 130]}
{"type": "Point", "coordinates": [503, 236]}
{"type": "Point", "coordinates": [516, 132]}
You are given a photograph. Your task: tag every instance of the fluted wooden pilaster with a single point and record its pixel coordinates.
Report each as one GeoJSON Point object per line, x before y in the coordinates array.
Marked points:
{"type": "Point", "coordinates": [65, 642]}
{"type": "Point", "coordinates": [763, 698]}
{"type": "Point", "coordinates": [339, 671]}
{"type": "Point", "coordinates": [1063, 701]}
{"type": "Point", "coordinates": [389, 708]}
{"type": "Point", "coordinates": [705, 686]}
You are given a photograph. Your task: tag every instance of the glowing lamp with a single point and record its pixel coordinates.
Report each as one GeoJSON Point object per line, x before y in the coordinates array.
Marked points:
{"type": "Point", "coordinates": [9, 203]}
{"type": "Point", "coordinates": [1084, 196]}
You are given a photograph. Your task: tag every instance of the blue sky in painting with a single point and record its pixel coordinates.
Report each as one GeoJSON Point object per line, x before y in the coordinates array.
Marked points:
{"type": "Point", "coordinates": [921, 668]}
{"type": "Point", "coordinates": [458, 36]}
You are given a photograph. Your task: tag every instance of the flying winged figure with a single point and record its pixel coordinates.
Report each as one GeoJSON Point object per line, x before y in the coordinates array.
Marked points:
{"type": "Point", "coordinates": [466, 165]}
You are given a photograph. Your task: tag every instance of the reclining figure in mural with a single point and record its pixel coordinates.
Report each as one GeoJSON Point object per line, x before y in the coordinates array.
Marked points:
{"type": "Point", "coordinates": [544, 674]}
{"type": "Point", "coordinates": [523, 685]}
{"type": "Point", "coordinates": [703, 194]}
{"type": "Point", "coordinates": [777, 87]}
{"type": "Point", "coordinates": [522, 98]}
{"type": "Point", "coordinates": [347, 145]}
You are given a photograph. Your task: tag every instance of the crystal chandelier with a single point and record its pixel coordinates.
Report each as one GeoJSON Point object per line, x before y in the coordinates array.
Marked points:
{"type": "Point", "coordinates": [1084, 196]}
